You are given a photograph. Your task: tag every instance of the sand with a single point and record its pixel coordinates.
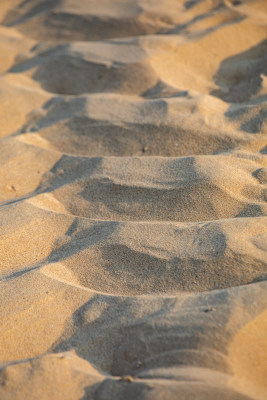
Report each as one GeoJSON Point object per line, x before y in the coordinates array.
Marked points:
{"type": "Point", "coordinates": [133, 199]}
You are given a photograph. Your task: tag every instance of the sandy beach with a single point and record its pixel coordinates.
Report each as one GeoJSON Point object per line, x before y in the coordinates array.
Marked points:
{"type": "Point", "coordinates": [133, 176]}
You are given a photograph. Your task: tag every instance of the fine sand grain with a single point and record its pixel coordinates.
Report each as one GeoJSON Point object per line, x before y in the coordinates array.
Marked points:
{"type": "Point", "coordinates": [133, 199]}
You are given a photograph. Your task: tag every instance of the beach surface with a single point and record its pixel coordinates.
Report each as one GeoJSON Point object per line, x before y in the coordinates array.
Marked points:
{"type": "Point", "coordinates": [133, 176]}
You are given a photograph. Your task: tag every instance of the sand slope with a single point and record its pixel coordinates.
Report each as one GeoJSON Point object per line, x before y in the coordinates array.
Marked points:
{"type": "Point", "coordinates": [133, 199]}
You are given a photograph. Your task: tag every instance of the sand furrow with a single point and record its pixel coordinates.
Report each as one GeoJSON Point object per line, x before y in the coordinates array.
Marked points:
{"type": "Point", "coordinates": [128, 257]}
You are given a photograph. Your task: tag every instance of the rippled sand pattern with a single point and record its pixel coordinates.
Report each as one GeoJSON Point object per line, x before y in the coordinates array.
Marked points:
{"type": "Point", "coordinates": [133, 199]}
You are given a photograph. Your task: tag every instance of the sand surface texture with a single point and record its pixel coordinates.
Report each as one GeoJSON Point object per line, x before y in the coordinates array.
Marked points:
{"type": "Point", "coordinates": [133, 199]}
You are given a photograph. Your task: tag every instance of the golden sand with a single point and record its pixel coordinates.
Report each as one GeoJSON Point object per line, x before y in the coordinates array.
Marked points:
{"type": "Point", "coordinates": [133, 199]}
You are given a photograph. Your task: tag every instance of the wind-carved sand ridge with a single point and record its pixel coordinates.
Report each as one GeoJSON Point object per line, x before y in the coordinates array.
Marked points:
{"type": "Point", "coordinates": [133, 199]}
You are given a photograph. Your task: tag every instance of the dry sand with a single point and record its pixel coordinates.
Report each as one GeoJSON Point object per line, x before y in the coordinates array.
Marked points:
{"type": "Point", "coordinates": [133, 199]}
